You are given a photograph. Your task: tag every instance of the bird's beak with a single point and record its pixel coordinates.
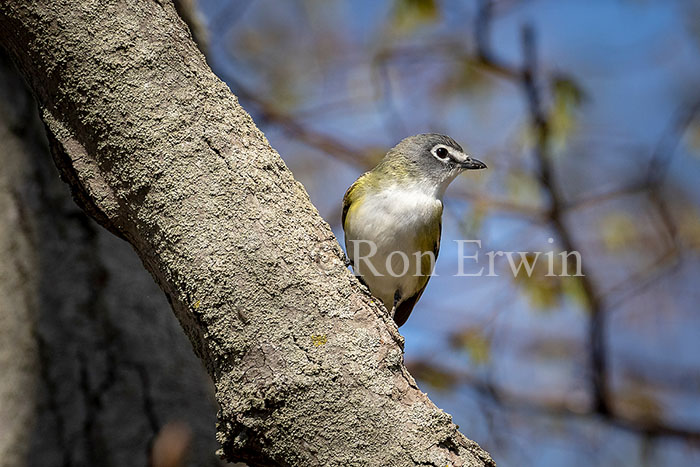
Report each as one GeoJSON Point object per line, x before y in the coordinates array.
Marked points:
{"type": "Point", "coordinates": [472, 164]}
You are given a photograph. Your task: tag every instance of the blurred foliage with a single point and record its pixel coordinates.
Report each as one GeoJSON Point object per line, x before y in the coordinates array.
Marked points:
{"type": "Point", "coordinates": [551, 279]}
{"type": "Point", "coordinates": [471, 223]}
{"type": "Point", "coordinates": [467, 78]}
{"type": "Point", "coordinates": [639, 403]}
{"type": "Point", "coordinates": [618, 231]}
{"type": "Point", "coordinates": [689, 227]}
{"type": "Point", "coordinates": [254, 46]}
{"type": "Point", "coordinates": [573, 288]}
{"type": "Point", "coordinates": [554, 348]}
{"type": "Point", "coordinates": [610, 78]}
{"type": "Point", "coordinates": [543, 291]}
{"type": "Point", "coordinates": [474, 342]}
{"type": "Point", "coordinates": [524, 188]}
{"type": "Point", "coordinates": [568, 97]}
{"type": "Point", "coordinates": [411, 14]}
{"type": "Point", "coordinates": [437, 378]}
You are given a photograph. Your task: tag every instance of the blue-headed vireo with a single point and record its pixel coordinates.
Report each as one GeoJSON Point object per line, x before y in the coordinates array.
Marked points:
{"type": "Point", "coordinates": [392, 217]}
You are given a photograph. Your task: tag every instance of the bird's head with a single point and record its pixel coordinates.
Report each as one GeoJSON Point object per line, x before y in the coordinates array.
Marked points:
{"type": "Point", "coordinates": [431, 160]}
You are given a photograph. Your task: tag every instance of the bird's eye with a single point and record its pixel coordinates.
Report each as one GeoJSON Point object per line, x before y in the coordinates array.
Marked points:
{"type": "Point", "coordinates": [441, 153]}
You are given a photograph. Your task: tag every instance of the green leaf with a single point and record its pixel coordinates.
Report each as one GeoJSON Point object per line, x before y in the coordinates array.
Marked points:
{"type": "Point", "coordinates": [543, 291]}
{"type": "Point", "coordinates": [475, 342]}
{"type": "Point", "coordinates": [567, 98]}
{"type": "Point", "coordinates": [573, 288]}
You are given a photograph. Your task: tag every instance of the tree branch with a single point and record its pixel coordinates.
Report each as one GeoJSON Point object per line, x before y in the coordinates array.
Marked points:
{"type": "Point", "coordinates": [308, 369]}
{"type": "Point", "coordinates": [526, 76]}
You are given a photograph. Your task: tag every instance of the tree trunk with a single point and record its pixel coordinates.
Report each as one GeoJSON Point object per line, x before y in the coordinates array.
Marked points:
{"type": "Point", "coordinates": [93, 362]}
{"type": "Point", "coordinates": [308, 369]}
{"type": "Point", "coordinates": [19, 365]}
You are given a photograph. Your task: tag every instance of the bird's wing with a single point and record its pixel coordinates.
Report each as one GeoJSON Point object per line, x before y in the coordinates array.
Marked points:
{"type": "Point", "coordinates": [405, 307]}
{"type": "Point", "coordinates": [350, 196]}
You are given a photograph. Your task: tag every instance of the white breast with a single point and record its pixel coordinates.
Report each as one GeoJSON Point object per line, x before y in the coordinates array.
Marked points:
{"type": "Point", "coordinates": [389, 219]}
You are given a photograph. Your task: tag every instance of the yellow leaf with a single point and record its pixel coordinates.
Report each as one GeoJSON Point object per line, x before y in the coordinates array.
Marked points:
{"type": "Point", "coordinates": [618, 230]}
{"type": "Point", "coordinates": [543, 291]}
{"type": "Point", "coordinates": [411, 14]}
{"type": "Point", "coordinates": [573, 288]}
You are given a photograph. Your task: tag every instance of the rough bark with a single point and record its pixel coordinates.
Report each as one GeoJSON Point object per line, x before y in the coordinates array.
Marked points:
{"type": "Point", "coordinates": [93, 361]}
{"type": "Point", "coordinates": [308, 369]}
{"type": "Point", "coordinates": [19, 367]}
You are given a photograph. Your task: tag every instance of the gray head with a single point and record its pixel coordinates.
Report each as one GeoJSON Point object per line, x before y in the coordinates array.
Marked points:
{"type": "Point", "coordinates": [431, 159]}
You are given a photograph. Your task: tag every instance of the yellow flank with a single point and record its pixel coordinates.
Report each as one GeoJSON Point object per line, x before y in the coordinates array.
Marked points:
{"type": "Point", "coordinates": [429, 234]}
{"type": "Point", "coordinates": [428, 240]}
{"type": "Point", "coordinates": [352, 206]}
{"type": "Point", "coordinates": [353, 197]}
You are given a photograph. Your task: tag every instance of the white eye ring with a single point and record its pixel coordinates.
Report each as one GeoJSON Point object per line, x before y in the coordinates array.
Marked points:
{"type": "Point", "coordinates": [441, 153]}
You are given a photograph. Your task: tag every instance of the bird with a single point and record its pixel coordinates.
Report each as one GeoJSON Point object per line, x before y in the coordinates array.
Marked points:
{"type": "Point", "coordinates": [392, 218]}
